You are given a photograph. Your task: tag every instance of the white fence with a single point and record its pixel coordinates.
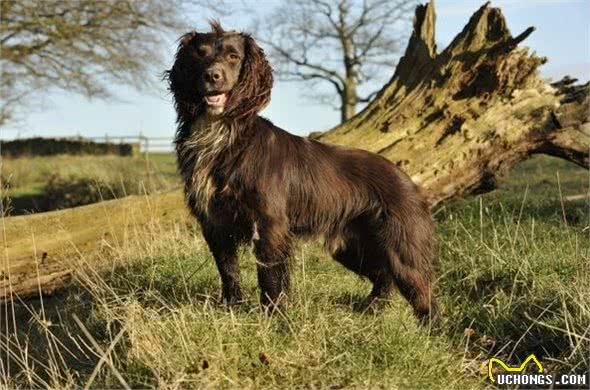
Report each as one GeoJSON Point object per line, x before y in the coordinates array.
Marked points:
{"type": "Point", "coordinates": [146, 144]}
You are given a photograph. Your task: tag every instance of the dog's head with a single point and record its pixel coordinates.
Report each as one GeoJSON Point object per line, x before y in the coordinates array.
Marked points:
{"type": "Point", "coordinates": [221, 73]}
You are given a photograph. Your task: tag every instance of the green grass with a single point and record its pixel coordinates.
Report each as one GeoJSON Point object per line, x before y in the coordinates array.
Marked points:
{"type": "Point", "coordinates": [30, 182]}
{"type": "Point", "coordinates": [513, 279]}
{"type": "Point", "coordinates": [29, 174]}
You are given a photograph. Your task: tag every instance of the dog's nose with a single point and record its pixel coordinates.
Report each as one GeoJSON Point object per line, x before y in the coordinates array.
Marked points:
{"type": "Point", "coordinates": [213, 75]}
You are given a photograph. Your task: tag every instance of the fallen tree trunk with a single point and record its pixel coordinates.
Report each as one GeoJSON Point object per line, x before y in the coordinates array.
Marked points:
{"type": "Point", "coordinates": [41, 252]}
{"type": "Point", "coordinates": [455, 120]}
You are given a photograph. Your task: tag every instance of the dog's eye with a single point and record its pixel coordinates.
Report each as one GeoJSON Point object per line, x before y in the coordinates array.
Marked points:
{"type": "Point", "coordinates": [202, 51]}
{"type": "Point", "coordinates": [234, 57]}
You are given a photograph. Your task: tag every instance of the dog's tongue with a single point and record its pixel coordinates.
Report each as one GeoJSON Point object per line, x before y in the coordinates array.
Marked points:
{"type": "Point", "coordinates": [216, 100]}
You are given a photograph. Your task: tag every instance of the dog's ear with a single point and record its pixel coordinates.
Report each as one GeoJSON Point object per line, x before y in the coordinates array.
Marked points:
{"type": "Point", "coordinates": [252, 92]}
{"type": "Point", "coordinates": [174, 75]}
{"type": "Point", "coordinates": [178, 77]}
{"type": "Point", "coordinates": [185, 39]}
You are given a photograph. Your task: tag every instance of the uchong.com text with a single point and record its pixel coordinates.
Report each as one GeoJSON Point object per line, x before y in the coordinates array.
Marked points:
{"type": "Point", "coordinates": [542, 379]}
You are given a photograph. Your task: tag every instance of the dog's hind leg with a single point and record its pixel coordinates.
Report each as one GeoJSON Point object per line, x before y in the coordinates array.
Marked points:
{"type": "Point", "coordinates": [273, 248]}
{"type": "Point", "coordinates": [224, 247]}
{"type": "Point", "coordinates": [416, 287]}
{"type": "Point", "coordinates": [361, 254]}
{"type": "Point", "coordinates": [410, 249]}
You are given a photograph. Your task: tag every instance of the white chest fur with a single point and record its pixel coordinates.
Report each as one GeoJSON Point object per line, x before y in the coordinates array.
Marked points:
{"type": "Point", "coordinates": [197, 155]}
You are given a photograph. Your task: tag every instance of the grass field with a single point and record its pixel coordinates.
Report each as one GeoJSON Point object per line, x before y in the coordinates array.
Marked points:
{"type": "Point", "coordinates": [513, 279]}
{"type": "Point", "coordinates": [47, 183]}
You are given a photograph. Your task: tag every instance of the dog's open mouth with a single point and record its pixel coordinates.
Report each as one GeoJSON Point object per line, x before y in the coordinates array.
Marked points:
{"type": "Point", "coordinates": [216, 100]}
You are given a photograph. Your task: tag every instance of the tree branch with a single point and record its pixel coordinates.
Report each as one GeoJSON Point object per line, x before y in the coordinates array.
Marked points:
{"type": "Point", "coordinates": [311, 76]}
{"type": "Point", "coordinates": [358, 34]}
{"type": "Point", "coordinates": [369, 97]}
{"type": "Point", "coordinates": [304, 62]}
{"type": "Point", "coordinates": [82, 45]}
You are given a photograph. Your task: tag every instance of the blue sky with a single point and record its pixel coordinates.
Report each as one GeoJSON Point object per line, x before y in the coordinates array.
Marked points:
{"type": "Point", "coordinates": [562, 35]}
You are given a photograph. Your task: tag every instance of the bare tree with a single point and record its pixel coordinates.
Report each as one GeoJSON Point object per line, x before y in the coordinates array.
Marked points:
{"type": "Point", "coordinates": [341, 43]}
{"type": "Point", "coordinates": [79, 46]}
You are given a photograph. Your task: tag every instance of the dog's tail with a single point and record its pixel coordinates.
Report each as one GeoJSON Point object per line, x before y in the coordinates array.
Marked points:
{"type": "Point", "coordinates": [411, 245]}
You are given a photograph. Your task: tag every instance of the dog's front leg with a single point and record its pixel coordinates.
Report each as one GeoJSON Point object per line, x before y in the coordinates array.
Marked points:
{"type": "Point", "coordinates": [223, 244]}
{"type": "Point", "coordinates": [273, 251]}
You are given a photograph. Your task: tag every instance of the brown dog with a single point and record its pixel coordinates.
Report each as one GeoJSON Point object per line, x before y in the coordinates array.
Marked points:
{"type": "Point", "coordinates": [248, 180]}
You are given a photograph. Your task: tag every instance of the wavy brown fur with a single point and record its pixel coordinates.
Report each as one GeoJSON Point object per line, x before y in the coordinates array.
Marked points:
{"type": "Point", "coordinates": [246, 180]}
{"type": "Point", "coordinates": [252, 93]}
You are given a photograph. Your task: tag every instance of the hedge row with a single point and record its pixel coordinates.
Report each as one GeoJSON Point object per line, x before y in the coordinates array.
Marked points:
{"type": "Point", "coordinates": [52, 146]}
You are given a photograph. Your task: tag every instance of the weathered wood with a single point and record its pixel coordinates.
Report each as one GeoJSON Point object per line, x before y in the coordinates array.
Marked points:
{"type": "Point", "coordinates": [41, 252]}
{"type": "Point", "coordinates": [35, 284]}
{"type": "Point", "coordinates": [455, 120]}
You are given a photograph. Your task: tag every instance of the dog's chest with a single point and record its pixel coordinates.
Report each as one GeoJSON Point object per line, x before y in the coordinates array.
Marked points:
{"type": "Point", "coordinates": [198, 154]}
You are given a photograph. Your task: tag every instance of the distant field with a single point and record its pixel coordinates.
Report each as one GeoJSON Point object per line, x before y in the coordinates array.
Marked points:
{"type": "Point", "coordinates": [46, 183]}
{"type": "Point", "coordinates": [513, 279]}
{"type": "Point", "coordinates": [537, 186]}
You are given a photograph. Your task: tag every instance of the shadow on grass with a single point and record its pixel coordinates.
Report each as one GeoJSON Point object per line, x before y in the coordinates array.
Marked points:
{"type": "Point", "coordinates": [573, 213]}
{"type": "Point", "coordinates": [522, 325]}
{"type": "Point", "coordinates": [41, 333]}
{"type": "Point", "coordinates": [353, 301]}
{"type": "Point", "coordinates": [361, 304]}
{"type": "Point", "coordinates": [42, 341]}
{"type": "Point", "coordinates": [28, 204]}
{"type": "Point", "coordinates": [169, 281]}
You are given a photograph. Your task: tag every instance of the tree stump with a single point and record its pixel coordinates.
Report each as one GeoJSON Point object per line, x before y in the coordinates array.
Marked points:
{"type": "Point", "coordinates": [456, 120]}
